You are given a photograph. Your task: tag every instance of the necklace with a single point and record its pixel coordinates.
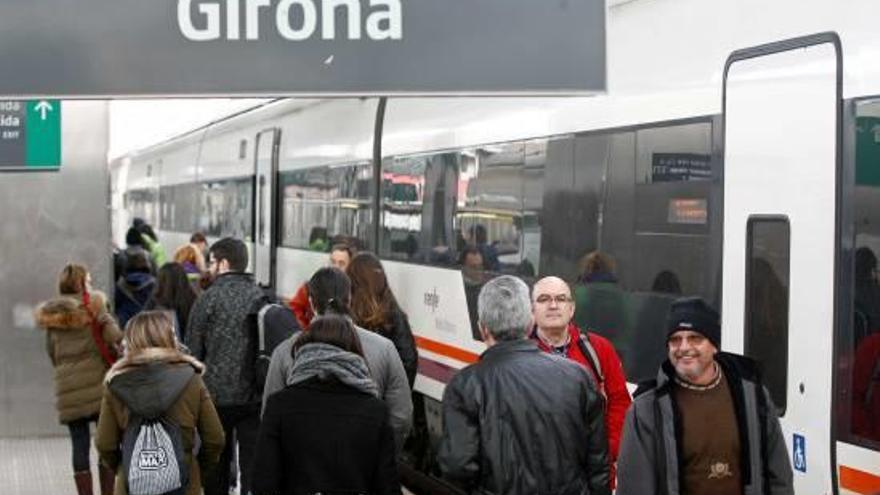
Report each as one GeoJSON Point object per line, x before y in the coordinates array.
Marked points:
{"type": "Point", "coordinates": [701, 388]}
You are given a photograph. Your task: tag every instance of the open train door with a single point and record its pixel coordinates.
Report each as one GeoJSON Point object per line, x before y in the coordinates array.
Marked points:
{"type": "Point", "coordinates": [782, 145]}
{"type": "Point", "coordinates": [265, 202]}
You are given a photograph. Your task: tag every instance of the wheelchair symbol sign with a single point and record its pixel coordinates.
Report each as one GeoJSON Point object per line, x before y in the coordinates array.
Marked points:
{"type": "Point", "coordinates": [799, 453]}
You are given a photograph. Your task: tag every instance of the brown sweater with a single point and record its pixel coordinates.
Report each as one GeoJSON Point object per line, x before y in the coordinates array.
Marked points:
{"type": "Point", "coordinates": [710, 449]}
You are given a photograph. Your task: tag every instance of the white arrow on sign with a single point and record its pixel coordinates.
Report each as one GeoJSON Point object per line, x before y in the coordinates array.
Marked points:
{"type": "Point", "coordinates": [43, 107]}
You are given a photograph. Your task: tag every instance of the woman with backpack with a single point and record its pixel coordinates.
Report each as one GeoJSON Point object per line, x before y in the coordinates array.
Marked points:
{"type": "Point", "coordinates": [81, 336]}
{"type": "Point", "coordinates": [327, 432]}
{"type": "Point", "coordinates": [156, 388]}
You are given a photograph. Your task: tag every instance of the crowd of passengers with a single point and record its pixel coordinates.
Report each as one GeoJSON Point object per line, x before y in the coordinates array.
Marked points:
{"type": "Point", "coordinates": [545, 409]}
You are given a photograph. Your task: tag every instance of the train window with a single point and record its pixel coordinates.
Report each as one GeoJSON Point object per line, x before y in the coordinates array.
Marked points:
{"type": "Point", "coordinates": [631, 237]}
{"type": "Point", "coordinates": [858, 366]}
{"type": "Point", "coordinates": [489, 214]}
{"type": "Point", "coordinates": [226, 208]}
{"type": "Point", "coordinates": [326, 205]}
{"type": "Point", "coordinates": [419, 201]}
{"type": "Point", "coordinates": [767, 290]}
{"type": "Point", "coordinates": [349, 216]}
{"type": "Point", "coordinates": [143, 203]}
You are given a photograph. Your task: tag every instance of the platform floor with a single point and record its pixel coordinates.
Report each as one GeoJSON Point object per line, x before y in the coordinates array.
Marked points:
{"type": "Point", "coordinates": [41, 466]}
{"type": "Point", "coordinates": [38, 466]}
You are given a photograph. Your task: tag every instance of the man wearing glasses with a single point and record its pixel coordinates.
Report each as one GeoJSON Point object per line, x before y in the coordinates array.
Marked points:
{"type": "Point", "coordinates": [556, 333]}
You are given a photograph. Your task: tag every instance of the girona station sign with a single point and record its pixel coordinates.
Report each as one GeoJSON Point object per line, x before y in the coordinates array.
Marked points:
{"type": "Point", "coordinates": [119, 48]}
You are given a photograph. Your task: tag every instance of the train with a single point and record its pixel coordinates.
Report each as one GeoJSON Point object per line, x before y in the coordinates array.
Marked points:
{"type": "Point", "coordinates": [735, 156]}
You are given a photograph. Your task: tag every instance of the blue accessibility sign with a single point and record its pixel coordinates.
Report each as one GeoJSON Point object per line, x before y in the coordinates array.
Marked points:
{"type": "Point", "coordinates": [799, 453]}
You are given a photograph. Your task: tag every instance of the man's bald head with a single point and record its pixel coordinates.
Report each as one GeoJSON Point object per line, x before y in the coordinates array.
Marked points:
{"type": "Point", "coordinates": [552, 304]}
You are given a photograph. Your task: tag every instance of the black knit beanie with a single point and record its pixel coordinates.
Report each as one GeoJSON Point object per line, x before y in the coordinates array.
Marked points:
{"type": "Point", "coordinates": [692, 313]}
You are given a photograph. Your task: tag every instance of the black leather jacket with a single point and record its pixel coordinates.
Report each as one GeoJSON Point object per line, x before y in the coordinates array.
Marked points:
{"type": "Point", "coordinates": [521, 421]}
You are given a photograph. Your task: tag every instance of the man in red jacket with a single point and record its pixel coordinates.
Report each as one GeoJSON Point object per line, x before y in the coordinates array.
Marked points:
{"type": "Point", "coordinates": [340, 257]}
{"type": "Point", "coordinates": [552, 310]}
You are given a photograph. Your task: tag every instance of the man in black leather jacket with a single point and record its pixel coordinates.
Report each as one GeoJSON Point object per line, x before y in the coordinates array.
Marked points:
{"type": "Point", "coordinates": [521, 421]}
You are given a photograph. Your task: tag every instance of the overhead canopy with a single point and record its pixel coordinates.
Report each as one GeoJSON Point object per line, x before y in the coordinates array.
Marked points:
{"type": "Point", "coordinates": [132, 48]}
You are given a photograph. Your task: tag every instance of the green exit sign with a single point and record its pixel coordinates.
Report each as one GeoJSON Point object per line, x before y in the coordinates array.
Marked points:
{"type": "Point", "coordinates": [30, 135]}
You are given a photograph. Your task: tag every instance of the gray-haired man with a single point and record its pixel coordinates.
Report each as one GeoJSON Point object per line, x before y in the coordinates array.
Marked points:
{"type": "Point", "coordinates": [520, 420]}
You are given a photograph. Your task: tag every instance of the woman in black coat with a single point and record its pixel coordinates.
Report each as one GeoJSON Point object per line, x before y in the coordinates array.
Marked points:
{"type": "Point", "coordinates": [327, 432]}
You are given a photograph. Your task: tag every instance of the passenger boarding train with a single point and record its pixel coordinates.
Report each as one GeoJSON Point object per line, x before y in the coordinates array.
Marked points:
{"type": "Point", "coordinates": [735, 156]}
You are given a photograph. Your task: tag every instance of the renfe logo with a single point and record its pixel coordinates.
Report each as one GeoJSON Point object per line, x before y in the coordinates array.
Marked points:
{"type": "Point", "coordinates": [295, 20]}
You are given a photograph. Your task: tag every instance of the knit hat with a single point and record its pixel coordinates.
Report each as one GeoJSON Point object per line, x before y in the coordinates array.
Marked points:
{"type": "Point", "coordinates": [692, 313]}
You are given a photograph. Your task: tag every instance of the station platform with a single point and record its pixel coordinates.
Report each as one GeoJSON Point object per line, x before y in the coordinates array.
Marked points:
{"type": "Point", "coordinates": [38, 466]}
{"type": "Point", "coordinates": [41, 466]}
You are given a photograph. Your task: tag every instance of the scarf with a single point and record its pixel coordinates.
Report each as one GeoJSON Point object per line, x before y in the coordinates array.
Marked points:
{"type": "Point", "coordinates": [325, 361]}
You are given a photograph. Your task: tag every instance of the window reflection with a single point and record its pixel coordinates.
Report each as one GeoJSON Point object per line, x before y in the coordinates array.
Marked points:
{"type": "Point", "coordinates": [326, 205]}
{"type": "Point", "coordinates": [859, 345]}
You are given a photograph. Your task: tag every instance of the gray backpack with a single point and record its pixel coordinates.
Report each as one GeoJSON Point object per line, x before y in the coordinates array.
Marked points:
{"type": "Point", "coordinates": [152, 457]}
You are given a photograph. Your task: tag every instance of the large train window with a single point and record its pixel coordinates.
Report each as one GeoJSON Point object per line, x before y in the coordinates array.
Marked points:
{"type": "Point", "coordinates": [226, 208]}
{"type": "Point", "coordinates": [858, 346]}
{"type": "Point", "coordinates": [766, 332]}
{"type": "Point", "coordinates": [142, 203]}
{"type": "Point", "coordinates": [177, 207]}
{"type": "Point", "coordinates": [326, 205]}
{"type": "Point", "coordinates": [631, 219]}
{"type": "Point", "coordinates": [465, 209]}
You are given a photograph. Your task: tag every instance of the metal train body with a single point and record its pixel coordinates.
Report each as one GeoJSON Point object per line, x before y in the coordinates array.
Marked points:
{"type": "Point", "coordinates": [701, 160]}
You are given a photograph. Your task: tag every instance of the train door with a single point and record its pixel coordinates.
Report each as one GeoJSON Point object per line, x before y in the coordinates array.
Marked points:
{"type": "Point", "coordinates": [781, 163]}
{"type": "Point", "coordinates": [266, 201]}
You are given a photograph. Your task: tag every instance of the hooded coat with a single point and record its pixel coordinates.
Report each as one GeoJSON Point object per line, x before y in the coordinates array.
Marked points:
{"type": "Point", "coordinates": [160, 382]}
{"type": "Point", "coordinates": [79, 366]}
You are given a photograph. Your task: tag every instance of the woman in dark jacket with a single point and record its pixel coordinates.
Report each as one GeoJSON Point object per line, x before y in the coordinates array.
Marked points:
{"type": "Point", "coordinates": [374, 307]}
{"type": "Point", "coordinates": [327, 432]}
{"type": "Point", "coordinates": [174, 293]}
{"type": "Point", "coordinates": [134, 289]}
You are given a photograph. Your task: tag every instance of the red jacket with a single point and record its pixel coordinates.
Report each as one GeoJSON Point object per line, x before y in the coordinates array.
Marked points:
{"type": "Point", "coordinates": [614, 386]}
{"type": "Point", "coordinates": [301, 308]}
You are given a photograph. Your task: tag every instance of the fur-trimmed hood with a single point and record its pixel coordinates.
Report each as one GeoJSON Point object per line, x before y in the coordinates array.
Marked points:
{"type": "Point", "coordinates": [67, 312]}
{"type": "Point", "coordinates": [152, 355]}
{"type": "Point", "coordinates": [149, 382]}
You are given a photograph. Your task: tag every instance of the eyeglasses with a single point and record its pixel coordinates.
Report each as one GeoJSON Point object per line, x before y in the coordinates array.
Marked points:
{"type": "Point", "coordinates": [546, 298]}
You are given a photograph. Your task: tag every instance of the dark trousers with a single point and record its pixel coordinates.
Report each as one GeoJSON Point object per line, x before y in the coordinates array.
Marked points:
{"type": "Point", "coordinates": [81, 440]}
{"type": "Point", "coordinates": [241, 424]}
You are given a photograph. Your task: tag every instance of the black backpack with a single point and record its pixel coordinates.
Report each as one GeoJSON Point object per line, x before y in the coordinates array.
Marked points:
{"type": "Point", "coordinates": [268, 324]}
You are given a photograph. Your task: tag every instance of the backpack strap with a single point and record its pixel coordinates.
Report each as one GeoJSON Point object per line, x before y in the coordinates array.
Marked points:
{"type": "Point", "coordinates": [587, 350]}
{"type": "Point", "coordinates": [97, 330]}
{"type": "Point", "coordinates": [261, 328]}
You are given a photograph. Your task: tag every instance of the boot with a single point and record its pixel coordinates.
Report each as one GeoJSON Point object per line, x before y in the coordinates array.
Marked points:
{"type": "Point", "coordinates": [107, 478]}
{"type": "Point", "coordinates": [83, 481]}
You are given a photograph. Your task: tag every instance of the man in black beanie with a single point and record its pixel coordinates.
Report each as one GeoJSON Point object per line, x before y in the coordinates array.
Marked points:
{"type": "Point", "coordinates": [706, 425]}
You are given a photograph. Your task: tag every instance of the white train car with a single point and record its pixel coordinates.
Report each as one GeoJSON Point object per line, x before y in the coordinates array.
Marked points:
{"type": "Point", "coordinates": [749, 176]}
